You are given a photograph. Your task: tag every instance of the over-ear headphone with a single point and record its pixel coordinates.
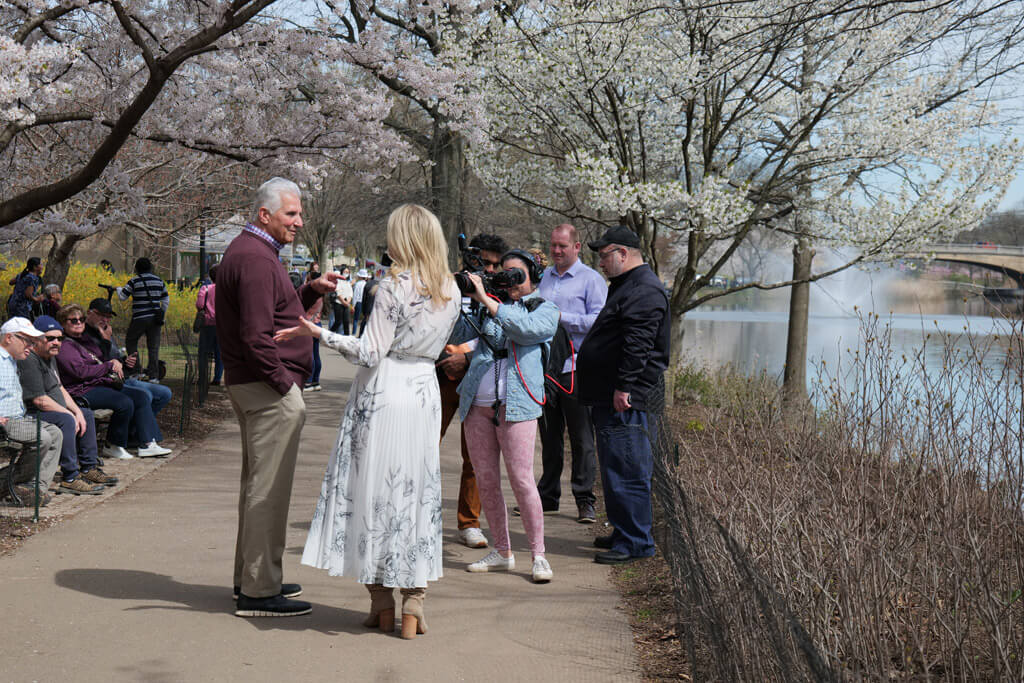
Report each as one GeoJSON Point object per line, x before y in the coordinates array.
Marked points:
{"type": "Point", "coordinates": [532, 269]}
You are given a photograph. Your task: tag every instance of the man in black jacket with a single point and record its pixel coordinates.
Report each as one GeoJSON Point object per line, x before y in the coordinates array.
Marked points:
{"type": "Point", "coordinates": [619, 368]}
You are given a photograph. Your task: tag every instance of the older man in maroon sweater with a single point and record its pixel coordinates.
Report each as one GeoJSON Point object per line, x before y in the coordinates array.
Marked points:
{"type": "Point", "coordinates": [254, 298]}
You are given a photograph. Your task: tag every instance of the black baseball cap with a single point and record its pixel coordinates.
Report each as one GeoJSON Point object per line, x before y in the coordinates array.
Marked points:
{"type": "Point", "coordinates": [101, 305]}
{"type": "Point", "coordinates": [620, 235]}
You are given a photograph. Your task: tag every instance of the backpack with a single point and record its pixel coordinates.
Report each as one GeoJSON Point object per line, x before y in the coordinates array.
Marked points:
{"type": "Point", "coordinates": [554, 354]}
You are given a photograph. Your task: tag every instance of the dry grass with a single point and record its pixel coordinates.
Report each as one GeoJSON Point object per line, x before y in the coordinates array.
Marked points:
{"type": "Point", "coordinates": [880, 537]}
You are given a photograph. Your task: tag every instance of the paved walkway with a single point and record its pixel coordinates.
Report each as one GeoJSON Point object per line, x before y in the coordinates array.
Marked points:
{"type": "Point", "coordinates": [136, 587]}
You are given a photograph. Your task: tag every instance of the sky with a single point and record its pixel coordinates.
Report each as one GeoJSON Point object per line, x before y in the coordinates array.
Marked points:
{"type": "Point", "coordinates": [1014, 198]}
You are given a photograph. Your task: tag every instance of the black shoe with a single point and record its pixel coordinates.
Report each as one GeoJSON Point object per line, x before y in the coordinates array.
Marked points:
{"type": "Point", "coordinates": [614, 557]}
{"type": "Point", "coordinates": [516, 512]}
{"type": "Point", "coordinates": [288, 590]}
{"type": "Point", "coordinates": [586, 513]}
{"type": "Point", "coordinates": [274, 606]}
{"type": "Point", "coordinates": [603, 542]}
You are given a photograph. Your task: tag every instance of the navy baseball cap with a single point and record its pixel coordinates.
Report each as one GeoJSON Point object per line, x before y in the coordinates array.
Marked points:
{"type": "Point", "coordinates": [45, 323]}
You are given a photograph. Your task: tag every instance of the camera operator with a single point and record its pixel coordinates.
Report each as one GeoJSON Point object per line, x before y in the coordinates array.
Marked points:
{"type": "Point", "coordinates": [500, 400]}
{"type": "Point", "coordinates": [486, 251]}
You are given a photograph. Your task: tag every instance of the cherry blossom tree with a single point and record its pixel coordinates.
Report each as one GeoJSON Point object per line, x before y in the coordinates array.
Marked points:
{"type": "Point", "coordinates": [89, 88]}
{"type": "Point", "coordinates": [407, 48]}
{"type": "Point", "coordinates": [873, 125]}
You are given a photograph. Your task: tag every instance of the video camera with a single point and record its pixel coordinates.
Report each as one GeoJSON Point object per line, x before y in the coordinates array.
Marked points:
{"type": "Point", "coordinates": [110, 290]}
{"type": "Point", "coordinates": [495, 284]}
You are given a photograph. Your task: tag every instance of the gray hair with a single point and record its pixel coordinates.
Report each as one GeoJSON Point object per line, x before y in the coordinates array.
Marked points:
{"type": "Point", "coordinates": [51, 288]}
{"type": "Point", "coordinates": [268, 196]}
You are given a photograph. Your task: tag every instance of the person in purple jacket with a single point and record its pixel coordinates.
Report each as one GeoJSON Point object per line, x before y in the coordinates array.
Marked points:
{"type": "Point", "coordinates": [84, 373]}
{"type": "Point", "coordinates": [255, 298]}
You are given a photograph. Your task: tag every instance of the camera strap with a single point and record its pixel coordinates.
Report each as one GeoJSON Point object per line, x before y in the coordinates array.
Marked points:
{"type": "Point", "coordinates": [498, 354]}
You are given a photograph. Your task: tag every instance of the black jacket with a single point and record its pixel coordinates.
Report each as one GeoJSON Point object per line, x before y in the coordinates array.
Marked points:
{"type": "Point", "coordinates": [627, 347]}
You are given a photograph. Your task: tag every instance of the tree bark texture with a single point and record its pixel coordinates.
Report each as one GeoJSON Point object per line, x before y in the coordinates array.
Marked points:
{"type": "Point", "coordinates": [160, 71]}
{"type": "Point", "coordinates": [794, 382]}
{"type": "Point", "coordinates": [58, 260]}
{"type": "Point", "coordinates": [448, 177]}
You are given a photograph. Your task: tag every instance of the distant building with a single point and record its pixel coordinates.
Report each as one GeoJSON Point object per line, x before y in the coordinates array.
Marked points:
{"type": "Point", "coordinates": [186, 249]}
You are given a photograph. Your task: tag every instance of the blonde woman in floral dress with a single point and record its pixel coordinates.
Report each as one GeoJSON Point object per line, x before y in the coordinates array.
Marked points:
{"type": "Point", "coordinates": [378, 518]}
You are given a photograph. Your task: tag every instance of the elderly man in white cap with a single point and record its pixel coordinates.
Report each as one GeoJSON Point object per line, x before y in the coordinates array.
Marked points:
{"type": "Point", "coordinates": [17, 336]}
{"type": "Point", "coordinates": [357, 296]}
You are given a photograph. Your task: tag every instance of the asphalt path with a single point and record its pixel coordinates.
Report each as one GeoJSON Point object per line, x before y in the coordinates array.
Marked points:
{"type": "Point", "coordinates": [136, 586]}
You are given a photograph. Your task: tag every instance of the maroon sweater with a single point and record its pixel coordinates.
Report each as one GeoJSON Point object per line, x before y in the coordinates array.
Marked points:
{"type": "Point", "coordinates": [255, 298]}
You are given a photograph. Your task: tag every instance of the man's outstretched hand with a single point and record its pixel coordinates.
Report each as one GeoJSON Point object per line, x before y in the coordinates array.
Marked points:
{"type": "Point", "coordinates": [326, 283]}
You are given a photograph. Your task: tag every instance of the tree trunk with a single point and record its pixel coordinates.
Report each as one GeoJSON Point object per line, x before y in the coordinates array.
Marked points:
{"type": "Point", "coordinates": [447, 183]}
{"type": "Point", "coordinates": [58, 260]}
{"type": "Point", "coordinates": [675, 355]}
{"type": "Point", "coordinates": [794, 382]}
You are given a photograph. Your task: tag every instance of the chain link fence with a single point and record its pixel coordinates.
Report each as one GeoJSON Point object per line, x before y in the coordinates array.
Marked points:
{"type": "Point", "coordinates": [733, 623]}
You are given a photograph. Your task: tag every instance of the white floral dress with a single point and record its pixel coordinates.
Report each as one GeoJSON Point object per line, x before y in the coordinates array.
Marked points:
{"type": "Point", "coordinates": [378, 518]}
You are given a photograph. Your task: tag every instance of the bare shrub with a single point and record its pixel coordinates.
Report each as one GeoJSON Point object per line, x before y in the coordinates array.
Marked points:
{"type": "Point", "coordinates": [879, 537]}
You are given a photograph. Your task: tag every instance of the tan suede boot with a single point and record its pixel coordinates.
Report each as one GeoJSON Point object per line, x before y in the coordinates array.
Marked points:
{"type": "Point", "coordinates": [382, 608]}
{"type": "Point", "coordinates": [412, 612]}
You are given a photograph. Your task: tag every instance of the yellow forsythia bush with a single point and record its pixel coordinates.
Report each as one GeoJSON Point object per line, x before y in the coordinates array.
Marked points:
{"type": "Point", "coordinates": [82, 286]}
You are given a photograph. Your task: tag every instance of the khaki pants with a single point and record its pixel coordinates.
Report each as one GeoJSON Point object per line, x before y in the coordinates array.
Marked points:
{"type": "Point", "coordinates": [270, 425]}
{"type": "Point", "coordinates": [23, 429]}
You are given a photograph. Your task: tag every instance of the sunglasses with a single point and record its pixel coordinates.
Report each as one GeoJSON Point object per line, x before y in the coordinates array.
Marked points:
{"type": "Point", "coordinates": [55, 338]}
{"type": "Point", "coordinates": [75, 320]}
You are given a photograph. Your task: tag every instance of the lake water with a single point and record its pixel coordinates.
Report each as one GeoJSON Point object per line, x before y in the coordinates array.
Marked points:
{"type": "Point", "coordinates": [752, 341]}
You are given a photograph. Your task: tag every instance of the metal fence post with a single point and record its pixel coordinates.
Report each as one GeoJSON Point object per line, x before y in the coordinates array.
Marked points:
{"type": "Point", "coordinates": [39, 433]}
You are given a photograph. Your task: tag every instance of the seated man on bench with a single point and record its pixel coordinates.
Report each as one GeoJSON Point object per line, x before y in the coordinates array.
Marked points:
{"type": "Point", "coordinates": [16, 337]}
{"type": "Point", "coordinates": [43, 393]}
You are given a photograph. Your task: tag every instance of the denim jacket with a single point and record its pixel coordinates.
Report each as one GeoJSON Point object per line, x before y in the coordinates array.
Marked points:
{"type": "Point", "coordinates": [523, 333]}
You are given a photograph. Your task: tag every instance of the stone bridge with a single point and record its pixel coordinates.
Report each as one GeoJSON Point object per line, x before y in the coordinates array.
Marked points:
{"type": "Point", "coordinates": [997, 257]}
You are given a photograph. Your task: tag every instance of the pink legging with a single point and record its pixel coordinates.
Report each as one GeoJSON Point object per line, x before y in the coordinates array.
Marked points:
{"type": "Point", "coordinates": [514, 440]}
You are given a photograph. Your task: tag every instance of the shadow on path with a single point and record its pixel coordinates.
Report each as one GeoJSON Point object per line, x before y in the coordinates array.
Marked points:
{"type": "Point", "coordinates": [142, 586]}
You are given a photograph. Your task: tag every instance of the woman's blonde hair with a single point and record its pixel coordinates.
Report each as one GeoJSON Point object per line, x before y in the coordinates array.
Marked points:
{"type": "Point", "coordinates": [416, 244]}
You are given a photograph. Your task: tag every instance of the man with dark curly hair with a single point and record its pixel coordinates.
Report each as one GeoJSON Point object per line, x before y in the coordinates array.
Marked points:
{"type": "Point", "coordinates": [450, 371]}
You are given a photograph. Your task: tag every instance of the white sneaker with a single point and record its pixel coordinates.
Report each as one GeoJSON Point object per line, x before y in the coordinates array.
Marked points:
{"type": "Point", "coordinates": [472, 537]}
{"type": "Point", "coordinates": [494, 562]}
{"type": "Point", "coordinates": [153, 449]}
{"type": "Point", "coordinates": [541, 570]}
{"type": "Point", "coordinates": [117, 452]}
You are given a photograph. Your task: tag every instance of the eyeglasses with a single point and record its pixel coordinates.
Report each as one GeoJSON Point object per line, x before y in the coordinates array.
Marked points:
{"type": "Point", "coordinates": [25, 340]}
{"type": "Point", "coordinates": [75, 320]}
{"type": "Point", "coordinates": [605, 254]}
